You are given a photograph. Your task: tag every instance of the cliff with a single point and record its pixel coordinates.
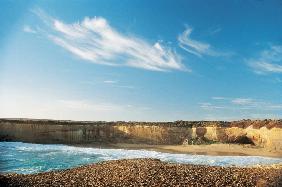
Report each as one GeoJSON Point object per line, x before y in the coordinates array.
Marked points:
{"type": "Point", "coordinates": [262, 133]}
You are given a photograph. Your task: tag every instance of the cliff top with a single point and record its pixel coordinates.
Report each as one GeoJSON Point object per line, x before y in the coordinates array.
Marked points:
{"type": "Point", "coordinates": [269, 123]}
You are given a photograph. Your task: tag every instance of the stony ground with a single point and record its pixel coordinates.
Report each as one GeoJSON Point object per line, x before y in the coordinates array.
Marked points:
{"type": "Point", "coordinates": [149, 172]}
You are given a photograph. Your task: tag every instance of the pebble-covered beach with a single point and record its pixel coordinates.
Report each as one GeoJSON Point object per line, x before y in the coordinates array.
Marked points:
{"type": "Point", "coordinates": [149, 172]}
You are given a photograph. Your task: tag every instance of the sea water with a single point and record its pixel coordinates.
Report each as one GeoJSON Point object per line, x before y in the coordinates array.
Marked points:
{"type": "Point", "coordinates": [27, 158]}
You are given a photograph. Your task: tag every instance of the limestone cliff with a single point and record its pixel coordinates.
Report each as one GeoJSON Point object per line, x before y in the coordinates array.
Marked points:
{"type": "Point", "coordinates": [263, 133]}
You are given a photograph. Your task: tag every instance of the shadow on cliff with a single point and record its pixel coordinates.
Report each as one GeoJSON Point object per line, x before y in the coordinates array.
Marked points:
{"type": "Point", "coordinates": [225, 138]}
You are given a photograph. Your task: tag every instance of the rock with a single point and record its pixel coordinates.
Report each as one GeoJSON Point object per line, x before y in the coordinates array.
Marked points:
{"type": "Point", "coordinates": [149, 172]}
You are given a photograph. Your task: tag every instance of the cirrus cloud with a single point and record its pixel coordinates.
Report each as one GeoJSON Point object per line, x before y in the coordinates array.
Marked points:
{"type": "Point", "coordinates": [268, 61]}
{"type": "Point", "coordinates": [196, 47]}
{"type": "Point", "coordinates": [28, 29]}
{"type": "Point", "coordinates": [96, 41]}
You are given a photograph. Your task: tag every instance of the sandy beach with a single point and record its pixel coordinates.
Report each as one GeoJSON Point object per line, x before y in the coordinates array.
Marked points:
{"type": "Point", "coordinates": [149, 172]}
{"type": "Point", "coordinates": [211, 149]}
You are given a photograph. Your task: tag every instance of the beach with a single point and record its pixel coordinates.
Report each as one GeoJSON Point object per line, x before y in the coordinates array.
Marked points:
{"type": "Point", "coordinates": [70, 153]}
{"type": "Point", "coordinates": [150, 172]}
{"type": "Point", "coordinates": [217, 149]}
{"type": "Point", "coordinates": [141, 93]}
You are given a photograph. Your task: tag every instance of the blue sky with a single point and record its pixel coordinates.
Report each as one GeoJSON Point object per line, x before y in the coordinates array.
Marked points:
{"type": "Point", "coordinates": [141, 60]}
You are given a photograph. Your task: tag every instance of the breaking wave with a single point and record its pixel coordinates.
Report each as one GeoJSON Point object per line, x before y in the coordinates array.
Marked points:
{"type": "Point", "coordinates": [33, 158]}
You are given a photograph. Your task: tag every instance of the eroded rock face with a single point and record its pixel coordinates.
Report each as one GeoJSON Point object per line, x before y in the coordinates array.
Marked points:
{"type": "Point", "coordinates": [263, 133]}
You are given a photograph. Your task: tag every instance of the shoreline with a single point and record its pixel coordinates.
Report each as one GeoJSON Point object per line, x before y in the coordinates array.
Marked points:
{"type": "Point", "coordinates": [148, 172]}
{"type": "Point", "coordinates": [211, 149]}
{"type": "Point", "coordinates": [216, 149]}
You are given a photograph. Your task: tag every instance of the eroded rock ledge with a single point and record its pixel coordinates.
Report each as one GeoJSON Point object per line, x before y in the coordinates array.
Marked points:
{"type": "Point", "coordinates": [262, 133]}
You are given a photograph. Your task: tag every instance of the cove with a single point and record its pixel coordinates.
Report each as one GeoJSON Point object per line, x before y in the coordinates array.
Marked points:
{"type": "Point", "coordinates": [28, 158]}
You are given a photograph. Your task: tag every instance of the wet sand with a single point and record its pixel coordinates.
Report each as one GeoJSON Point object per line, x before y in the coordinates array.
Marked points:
{"type": "Point", "coordinates": [212, 149]}
{"type": "Point", "coordinates": [149, 172]}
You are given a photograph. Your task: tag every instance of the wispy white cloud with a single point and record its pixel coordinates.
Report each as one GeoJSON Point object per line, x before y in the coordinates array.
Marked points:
{"type": "Point", "coordinates": [242, 101]}
{"type": "Point", "coordinates": [249, 103]}
{"type": "Point", "coordinates": [274, 53]}
{"type": "Point", "coordinates": [195, 47]}
{"type": "Point", "coordinates": [262, 67]}
{"type": "Point", "coordinates": [110, 81]}
{"type": "Point", "coordinates": [115, 83]}
{"type": "Point", "coordinates": [268, 61]}
{"type": "Point", "coordinates": [210, 106]}
{"type": "Point", "coordinates": [240, 108]}
{"type": "Point", "coordinates": [240, 104]}
{"type": "Point", "coordinates": [96, 41]}
{"type": "Point", "coordinates": [28, 29]}
{"type": "Point", "coordinates": [219, 98]}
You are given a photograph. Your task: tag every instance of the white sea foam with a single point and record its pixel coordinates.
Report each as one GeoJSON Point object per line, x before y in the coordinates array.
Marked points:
{"type": "Point", "coordinates": [31, 158]}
